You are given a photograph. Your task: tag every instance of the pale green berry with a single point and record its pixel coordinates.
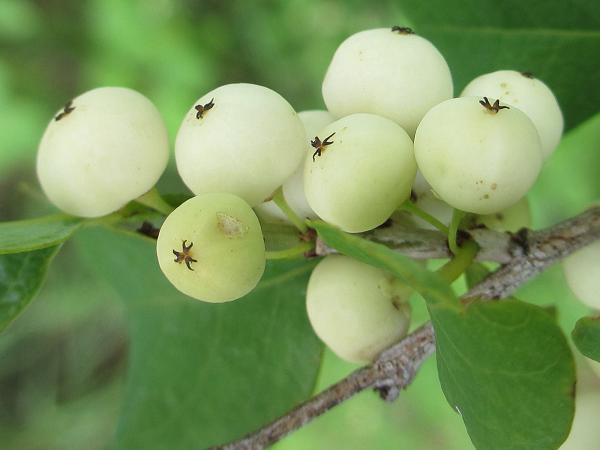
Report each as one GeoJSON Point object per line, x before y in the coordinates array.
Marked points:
{"type": "Point", "coordinates": [582, 272]}
{"type": "Point", "coordinates": [394, 74]}
{"type": "Point", "coordinates": [511, 219]}
{"type": "Point", "coordinates": [530, 95]}
{"type": "Point", "coordinates": [212, 248]}
{"type": "Point", "coordinates": [478, 155]}
{"type": "Point", "coordinates": [595, 365]}
{"type": "Point", "coordinates": [585, 433]}
{"type": "Point", "coordinates": [243, 139]}
{"type": "Point", "coordinates": [104, 148]}
{"type": "Point", "coordinates": [356, 309]}
{"type": "Point", "coordinates": [362, 169]}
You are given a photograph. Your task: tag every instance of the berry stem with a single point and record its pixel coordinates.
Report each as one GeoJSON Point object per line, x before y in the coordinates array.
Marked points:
{"type": "Point", "coordinates": [289, 212]}
{"type": "Point", "coordinates": [457, 215]}
{"type": "Point", "coordinates": [412, 208]}
{"type": "Point", "coordinates": [153, 200]}
{"type": "Point", "coordinates": [290, 253]}
{"type": "Point", "coordinates": [464, 256]}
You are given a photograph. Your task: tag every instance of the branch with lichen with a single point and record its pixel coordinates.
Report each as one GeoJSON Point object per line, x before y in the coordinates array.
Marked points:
{"type": "Point", "coordinates": [524, 255]}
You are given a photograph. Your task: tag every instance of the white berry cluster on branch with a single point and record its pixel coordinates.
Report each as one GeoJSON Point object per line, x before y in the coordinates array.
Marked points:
{"type": "Point", "coordinates": [392, 137]}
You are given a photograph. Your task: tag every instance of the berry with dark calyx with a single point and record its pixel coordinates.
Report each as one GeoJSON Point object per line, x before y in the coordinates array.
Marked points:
{"type": "Point", "coordinates": [478, 157]}
{"type": "Point", "coordinates": [530, 95]}
{"type": "Point", "coordinates": [103, 149]}
{"type": "Point", "coordinates": [356, 309]}
{"type": "Point", "coordinates": [362, 175]}
{"type": "Point", "coordinates": [392, 73]}
{"type": "Point", "coordinates": [243, 139]}
{"type": "Point", "coordinates": [211, 248]}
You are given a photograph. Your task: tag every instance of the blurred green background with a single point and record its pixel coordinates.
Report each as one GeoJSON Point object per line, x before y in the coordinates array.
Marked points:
{"type": "Point", "coordinates": [63, 361]}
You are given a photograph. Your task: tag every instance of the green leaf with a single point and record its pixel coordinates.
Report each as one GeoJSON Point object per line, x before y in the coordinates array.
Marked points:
{"type": "Point", "coordinates": [586, 336]}
{"type": "Point", "coordinates": [21, 275]}
{"type": "Point", "coordinates": [436, 292]}
{"type": "Point", "coordinates": [557, 42]}
{"type": "Point", "coordinates": [508, 369]}
{"type": "Point", "coordinates": [32, 234]}
{"type": "Point", "coordinates": [202, 374]}
{"type": "Point", "coordinates": [505, 365]}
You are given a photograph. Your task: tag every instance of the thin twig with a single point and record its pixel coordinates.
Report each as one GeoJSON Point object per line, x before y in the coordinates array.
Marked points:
{"type": "Point", "coordinates": [403, 236]}
{"type": "Point", "coordinates": [541, 249]}
{"type": "Point", "coordinates": [395, 368]}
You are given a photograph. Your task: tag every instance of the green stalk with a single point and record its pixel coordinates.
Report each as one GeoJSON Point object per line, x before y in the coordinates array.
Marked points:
{"type": "Point", "coordinates": [290, 253]}
{"type": "Point", "coordinates": [464, 256]}
{"type": "Point", "coordinates": [412, 208]}
{"type": "Point", "coordinates": [153, 200]}
{"type": "Point", "coordinates": [280, 201]}
{"type": "Point", "coordinates": [457, 215]}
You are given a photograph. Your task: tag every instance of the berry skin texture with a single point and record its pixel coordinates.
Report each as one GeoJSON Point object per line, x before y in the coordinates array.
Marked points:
{"type": "Point", "coordinates": [356, 309]}
{"type": "Point", "coordinates": [248, 143]}
{"type": "Point", "coordinates": [395, 75]}
{"type": "Point", "coordinates": [363, 175]}
{"type": "Point", "coordinates": [582, 272]}
{"type": "Point", "coordinates": [510, 219]}
{"type": "Point", "coordinates": [104, 148]}
{"type": "Point", "coordinates": [211, 248]}
{"type": "Point", "coordinates": [476, 159]}
{"type": "Point", "coordinates": [530, 95]}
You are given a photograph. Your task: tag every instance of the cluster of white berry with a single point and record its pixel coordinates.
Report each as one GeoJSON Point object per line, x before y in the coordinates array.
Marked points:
{"type": "Point", "coordinates": [389, 96]}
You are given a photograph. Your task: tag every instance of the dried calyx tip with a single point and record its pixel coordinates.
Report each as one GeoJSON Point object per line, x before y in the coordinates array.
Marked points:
{"type": "Point", "coordinates": [203, 108]}
{"type": "Point", "coordinates": [184, 255]}
{"type": "Point", "coordinates": [492, 108]}
{"type": "Point", "coordinates": [66, 110]}
{"type": "Point", "coordinates": [402, 30]}
{"type": "Point", "coordinates": [320, 146]}
{"type": "Point", "coordinates": [527, 74]}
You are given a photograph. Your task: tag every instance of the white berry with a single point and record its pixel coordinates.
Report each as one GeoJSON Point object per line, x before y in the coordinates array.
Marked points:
{"type": "Point", "coordinates": [582, 272]}
{"type": "Point", "coordinates": [511, 219]}
{"type": "Point", "coordinates": [366, 172]}
{"type": "Point", "coordinates": [357, 310]}
{"type": "Point", "coordinates": [211, 248]}
{"type": "Point", "coordinates": [530, 95]}
{"type": "Point", "coordinates": [104, 148]}
{"type": "Point", "coordinates": [394, 74]}
{"type": "Point", "coordinates": [479, 159]}
{"type": "Point", "coordinates": [240, 138]}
